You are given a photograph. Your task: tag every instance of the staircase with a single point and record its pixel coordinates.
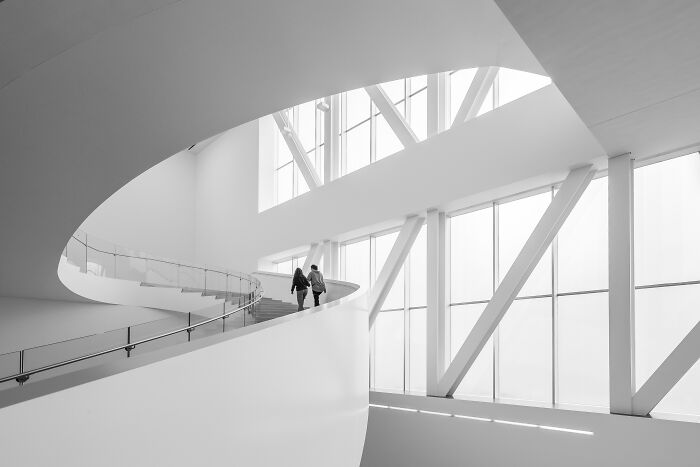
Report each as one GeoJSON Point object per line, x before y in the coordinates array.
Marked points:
{"type": "Point", "coordinates": [269, 308]}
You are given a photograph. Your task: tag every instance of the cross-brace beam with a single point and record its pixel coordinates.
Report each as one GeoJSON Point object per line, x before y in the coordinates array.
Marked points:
{"type": "Point", "coordinates": [297, 149]}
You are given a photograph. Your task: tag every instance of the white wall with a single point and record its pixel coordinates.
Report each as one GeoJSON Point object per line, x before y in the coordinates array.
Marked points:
{"type": "Point", "coordinates": [153, 213]}
{"type": "Point", "coordinates": [26, 323]}
{"type": "Point", "coordinates": [226, 199]}
{"type": "Point", "coordinates": [408, 439]}
{"type": "Point", "coordinates": [289, 392]}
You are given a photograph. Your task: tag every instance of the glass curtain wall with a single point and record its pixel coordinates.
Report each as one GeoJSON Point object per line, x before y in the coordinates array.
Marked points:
{"type": "Point", "coordinates": [397, 341]}
{"type": "Point", "coordinates": [551, 346]}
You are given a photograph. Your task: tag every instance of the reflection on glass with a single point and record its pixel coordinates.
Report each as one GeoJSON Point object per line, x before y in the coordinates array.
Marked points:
{"type": "Point", "coordinates": [357, 107]}
{"type": "Point", "coordinates": [419, 114]}
{"type": "Point", "coordinates": [306, 124]}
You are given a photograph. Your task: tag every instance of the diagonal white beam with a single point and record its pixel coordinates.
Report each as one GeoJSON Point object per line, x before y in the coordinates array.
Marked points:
{"type": "Point", "coordinates": [313, 256]}
{"type": "Point", "coordinates": [297, 149]}
{"type": "Point", "coordinates": [543, 234]}
{"type": "Point", "coordinates": [392, 266]}
{"type": "Point", "coordinates": [483, 79]}
{"type": "Point", "coordinates": [395, 120]}
{"type": "Point", "coordinates": [668, 374]}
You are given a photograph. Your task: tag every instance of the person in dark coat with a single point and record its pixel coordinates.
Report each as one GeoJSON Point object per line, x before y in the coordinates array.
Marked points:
{"type": "Point", "coordinates": [300, 283]}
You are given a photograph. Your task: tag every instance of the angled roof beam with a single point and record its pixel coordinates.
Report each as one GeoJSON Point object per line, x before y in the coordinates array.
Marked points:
{"type": "Point", "coordinates": [392, 266]}
{"type": "Point", "coordinates": [297, 149]}
{"type": "Point", "coordinates": [474, 99]}
{"type": "Point", "coordinates": [540, 239]}
{"type": "Point", "coordinates": [395, 120]}
{"type": "Point", "coordinates": [668, 374]}
{"type": "Point", "coordinates": [313, 256]}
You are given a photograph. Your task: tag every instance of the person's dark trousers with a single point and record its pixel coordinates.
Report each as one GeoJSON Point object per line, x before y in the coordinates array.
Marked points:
{"type": "Point", "coordinates": [316, 296]}
{"type": "Point", "coordinates": [301, 296]}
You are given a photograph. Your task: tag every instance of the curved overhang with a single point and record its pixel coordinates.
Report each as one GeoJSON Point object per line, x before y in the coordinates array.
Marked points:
{"type": "Point", "coordinates": [84, 121]}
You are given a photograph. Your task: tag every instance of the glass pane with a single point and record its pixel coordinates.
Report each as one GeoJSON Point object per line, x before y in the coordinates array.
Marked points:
{"type": "Point", "coordinates": [583, 350]}
{"type": "Point", "coordinates": [356, 263]}
{"type": "Point", "coordinates": [525, 351]}
{"type": "Point", "coordinates": [9, 365]}
{"type": "Point", "coordinates": [487, 106]}
{"type": "Point", "coordinates": [285, 183]}
{"type": "Point", "coordinates": [513, 84]}
{"type": "Point", "coordinates": [667, 227]}
{"type": "Point", "coordinates": [395, 298]}
{"type": "Point", "coordinates": [395, 90]}
{"type": "Point", "coordinates": [306, 124]}
{"type": "Point", "coordinates": [357, 107]}
{"type": "Point", "coordinates": [284, 156]}
{"type": "Point", "coordinates": [479, 379]}
{"type": "Point", "coordinates": [419, 269]}
{"type": "Point", "coordinates": [387, 142]}
{"type": "Point", "coordinates": [471, 256]}
{"type": "Point", "coordinates": [358, 143]}
{"type": "Point", "coordinates": [419, 114]}
{"type": "Point", "coordinates": [459, 84]}
{"type": "Point", "coordinates": [285, 267]}
{"type": "Point", "coordinates": [100, 260]}
{"type": "Point", "coordinates": [388, 351]}
{"type": "Point", "coordinates": [517, 220]}
{"type": "Point", "coordinates": [583, 242]}
{"type": "Point", "coordinates": [663, 317]}
{"type": "Point", "coordinates": [417, 349]}
{"type": "Point", "coordinates": [302, 186]}
{"type": "Point", "coordinates": [418, 82]}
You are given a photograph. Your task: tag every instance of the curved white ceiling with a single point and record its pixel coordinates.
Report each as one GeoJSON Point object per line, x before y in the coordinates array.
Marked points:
{"type": "Point", "coordinates": [77, 124]}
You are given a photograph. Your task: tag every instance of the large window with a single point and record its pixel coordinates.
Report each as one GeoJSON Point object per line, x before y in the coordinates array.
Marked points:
{"type": "Point", "coordinates": [667, 271]}
{"type": "Point", "coordinates": [554, 336]}
{"type": "Point", "coordinates": [365, 136]}
{"type": "Point", "coordinates": [398, 348]}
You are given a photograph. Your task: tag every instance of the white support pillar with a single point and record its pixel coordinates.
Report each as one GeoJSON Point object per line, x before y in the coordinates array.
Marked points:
{"type": "Point", "coordinates": [395, 120]}
{"type": "Point", "coordinates": [483, 79]}
{"type": "Point", "coordinates": [621, 273]}
{"type": "Point", "coordinates": [331, 263]}
{"type": "Point", "coordinates": [313, 256]}
{"type": "Point", "coordinates": [297, 149]}
{"type": "Point", "coordinates": [436, 326]}
{"type": "Point", "coordinates": [668, 374]}
{"type": "Point", "coordinates": [331, 141]}
{"type": "Point", "coordinates": [392, 266]}
{"type": "Point", "coordinates": [540, 239]}
{"type": "Point", "coordinates": [437, 103]}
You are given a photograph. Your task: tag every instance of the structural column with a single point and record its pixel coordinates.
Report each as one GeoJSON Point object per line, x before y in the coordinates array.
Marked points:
{"type": "Point", "coordinates": [436, 326]}
{"type": "Point", "coordinates": [331, 141]}
{"type": "Point", "coordinates": [331, 259]}
{"type": "Point", "coordinates": [621, 277]}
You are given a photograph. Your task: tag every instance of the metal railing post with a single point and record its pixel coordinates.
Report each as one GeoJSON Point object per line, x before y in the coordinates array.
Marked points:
{"type": "Point", "coordinates": [189, 323]}
{"type": "Point", "coordinates": [128, 347]}
{"type": "Point", "coordinates": [21, 379]}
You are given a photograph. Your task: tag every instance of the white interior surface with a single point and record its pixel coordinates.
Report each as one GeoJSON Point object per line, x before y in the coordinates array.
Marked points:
{"type": "Point", "coordinates": [153, 213]}
{"type": "Point", "coordinates": [291, 393]}
{"type": "Point", "coordinates": [397, 438]}
{"type": "Point", "coordinates": [26, 323]}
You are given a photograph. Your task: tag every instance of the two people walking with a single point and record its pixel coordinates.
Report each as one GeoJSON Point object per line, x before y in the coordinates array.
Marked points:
{"type": "Point", "coordinates": [302, 284]}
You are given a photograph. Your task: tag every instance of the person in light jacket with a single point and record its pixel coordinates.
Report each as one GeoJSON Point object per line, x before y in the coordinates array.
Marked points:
{"type": "Point", "coordinates": [317, 285]}
{"type": "Point", "coordinates": [300, 283]}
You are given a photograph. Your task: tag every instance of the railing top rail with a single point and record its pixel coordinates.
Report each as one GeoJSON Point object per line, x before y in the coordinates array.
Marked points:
{"type": "Point", "coordinates": [213, 269]}
{"type": "Point", "coordinates": [129, 346]}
